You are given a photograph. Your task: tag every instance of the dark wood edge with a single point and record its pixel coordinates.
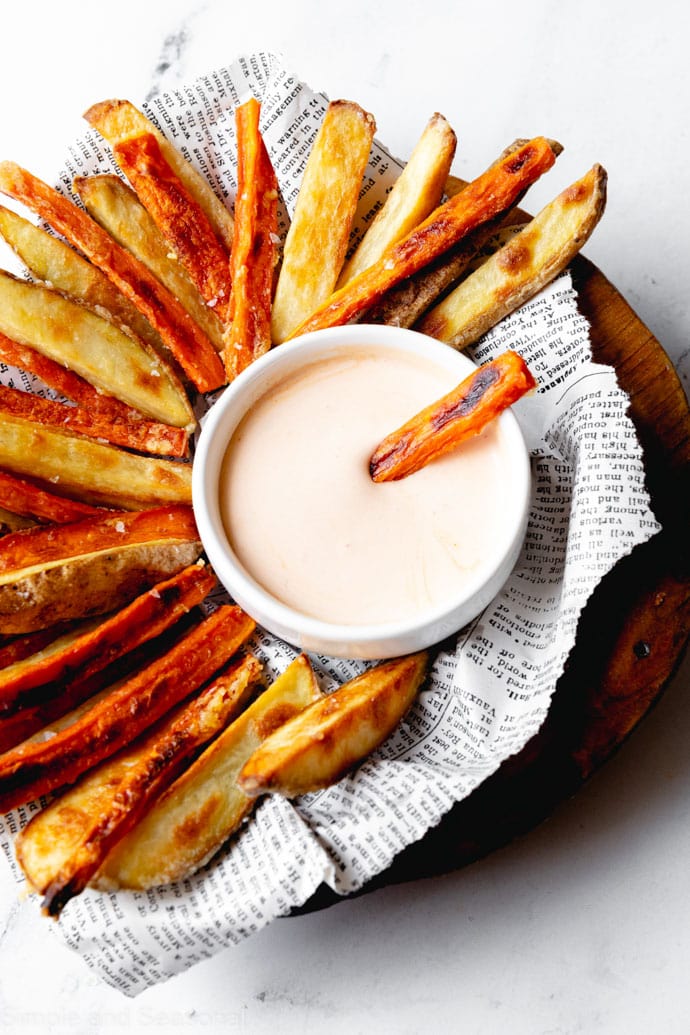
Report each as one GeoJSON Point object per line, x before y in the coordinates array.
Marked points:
{"type": "Point", "coordinates": [632, 633]}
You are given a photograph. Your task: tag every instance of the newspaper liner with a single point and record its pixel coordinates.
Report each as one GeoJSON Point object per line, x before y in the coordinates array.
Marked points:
{"type": "Point", "coordinates": [488, 693]}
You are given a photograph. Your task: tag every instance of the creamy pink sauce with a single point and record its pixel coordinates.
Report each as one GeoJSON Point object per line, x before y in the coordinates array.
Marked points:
{"type": "Point", "coordinates": [308, 524]}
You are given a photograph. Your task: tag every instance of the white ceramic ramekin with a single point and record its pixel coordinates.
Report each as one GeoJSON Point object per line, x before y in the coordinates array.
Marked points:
{"type": "Point", "coordinates": [305, 632]}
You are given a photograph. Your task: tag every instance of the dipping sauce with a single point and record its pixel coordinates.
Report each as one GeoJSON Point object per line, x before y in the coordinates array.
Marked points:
{"type": "Point", "coordinates": [309, 525]}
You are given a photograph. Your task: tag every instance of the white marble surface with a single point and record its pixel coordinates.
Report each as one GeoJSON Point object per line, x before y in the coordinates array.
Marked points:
{"type": "Point", "coordinates": [584, 925]}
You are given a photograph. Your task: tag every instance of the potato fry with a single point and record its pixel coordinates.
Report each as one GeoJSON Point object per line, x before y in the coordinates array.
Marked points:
{"type": "Point", "coordinates": [179, 218]}
{"type": "Point", "coordinates": [417, 192]}
{"type": "Point", "coordinates": [118, 210]}
{"type": "Point", "coordinates": [91, 471]}
{"type": "Point", "coordinates": [523, 266]}
{"type": "Point", "coordinates": [185, 339]}
{"type": "Point", "coordinates": [142, 435]}
{"type": "Point", "coordinates": [491, 194]}
{"type": "Point", "coordinates": [51, 574]}
{"type": "Point", "coordinates": [199, 812]}
{"type": "Point", "coordinates": [318, 746]}
{"type": "Point", "coordinates": [117, 120]}
{"type": "Point", "coordinates": [55, 263]}
{"type": "Point", "coordinates": [40, 765]}
{"type": "Point", "coordinates": [93, 347]}
{"type": "Point", "coordinates": [94, 645]}
{"type": "Point", "coordinates": [23, 497]}
{"type": "Point", "coordinates": [253, 252]}
{"type": "Point", "coordinates": [318, 237]}
{"type": "Point", "coordinates": [458, 416]}
{"type": "Point", "coordinates": [64, 845]}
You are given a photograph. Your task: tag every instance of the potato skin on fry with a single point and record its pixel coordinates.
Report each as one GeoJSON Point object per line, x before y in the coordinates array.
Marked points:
{"type": "Point", "coordinates": [48, 575]}
{"type": "Point", "coordinates": [328, 738]}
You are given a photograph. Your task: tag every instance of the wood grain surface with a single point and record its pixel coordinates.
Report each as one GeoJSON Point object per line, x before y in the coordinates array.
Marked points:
{"type": "Point", "coordinates": [632, 633]}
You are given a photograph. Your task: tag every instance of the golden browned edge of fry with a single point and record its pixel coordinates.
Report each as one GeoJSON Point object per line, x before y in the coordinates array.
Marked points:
{"type": "Point", "coordinates": [317, 747]}
{"type": "Point", "coordinates": [200, 811]}
{"type": "Point", "coordinates": [317, 240]}
{"type": "Point", "coordinates": [106, 355]}
{"type": "Point", "coordinates": [417, 192]}
{"type": "Point", "coordinates": [118, 210]}
{"type": "Point", "coordinates": [117, 120]}
{"type": "Point", "coordinates": [91, 471]}
{"type": "Point", "coordinates": [56, 264]}
{"type": "Point", "coordinates": [64, 845]}
{"type": "Point", "coordinates": [518, 270]}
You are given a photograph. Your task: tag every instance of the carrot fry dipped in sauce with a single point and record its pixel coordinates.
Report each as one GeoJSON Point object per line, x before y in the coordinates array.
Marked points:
{"type": "Point", "coordinates": [458, 416]}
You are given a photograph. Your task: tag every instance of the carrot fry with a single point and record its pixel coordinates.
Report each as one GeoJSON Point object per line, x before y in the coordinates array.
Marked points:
{"type": "Point", "coordinates": [39, 766]}
{"type": "Point", "coordinates": [188, 344]}
{"type": "Point", "coordinates": [458, 416]}
{"type": "Point", "coordinates": [485, 198]}
{"type": "Point", "coordinates": [19, 647]}
{"type": "Point", "coordinates": [143, 435]}
{"type": "Point", "coordinates": [253, 250]}
{"type": "Point", "coordinates": [178, 216]}
{"type": "Point", "coordinates": [23, 497]}
{"type": "Point", "coordinates": [90, 649]}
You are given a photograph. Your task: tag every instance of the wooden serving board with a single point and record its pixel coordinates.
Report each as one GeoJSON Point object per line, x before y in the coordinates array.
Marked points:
{"type": "Point", "coordinates": [632, 633]}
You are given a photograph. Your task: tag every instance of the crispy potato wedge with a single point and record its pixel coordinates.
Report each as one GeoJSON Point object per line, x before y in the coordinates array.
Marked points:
{"type": "Point", "coordinates": [118, 210]}
{"type": "Point", "coordinates": [51, 574]}
{"type": "Point", "coordinates": [318, 236]}
{"type": "Point", "coordinates": [328, 738]}
{"type": "Point", "coordinates": [94, 645]}
{"type": "Point", "coordinates": [180, 219]}
{"type": "Point", "coordinates": [23, 497]}
{"type": "Point", "coordinates": [199, 812]}
{"type": "Point", "coordinates": [523, 266]}
{"type": "Point", "coordinates": [96, 349]}
{"type": "Point", "coordinates": [118, 120]}
{"type": "Point", "coordinates": [185, 339]}
{"type": "Point", "coordinates": [91, 471]}
{"type": "Point", "coordinates": [491, 194]}
{"type": "Point", "coordinates": [457, 417]}
{"type": "Point", "coordinates": [64, 845]}
{"type": "Point", "coordinates": [253, 251]}
{"type": "Point", "coordinates": [44, 763]}
{"type": "Point", "coordinates": [143, 435]}
{"type": "Point", "coordinates": [417, 192]}
{"type": "Point", "coordinates": [55, 263]}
